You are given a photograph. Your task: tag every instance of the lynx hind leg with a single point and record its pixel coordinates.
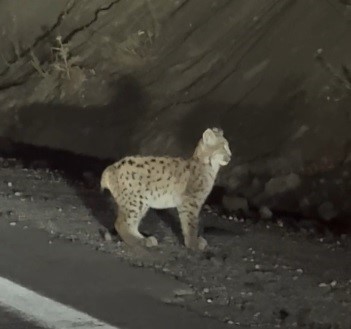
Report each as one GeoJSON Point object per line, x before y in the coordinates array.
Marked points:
{"type": "Point", "coordinates": [189, 219]}
{"type": "Point", "coordinates": [127, 226]}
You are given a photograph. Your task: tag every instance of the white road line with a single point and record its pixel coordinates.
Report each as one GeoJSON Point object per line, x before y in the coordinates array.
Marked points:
{"type": "Point", "coordinates": [31, 306]}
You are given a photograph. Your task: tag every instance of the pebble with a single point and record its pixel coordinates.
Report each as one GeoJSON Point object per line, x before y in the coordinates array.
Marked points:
{"type": "Point", "coordinates": [206, 290]}
{"type": "Point", "coordinates": [107, 236]}
{"type": "Point", "coordinates": [18, 193]}
{"type": "Point", "coordinates": [230, 322]}
{"type": "Point", "coordinates": [12, 223]}
{"type": "Point", "coordinates": [9, 184]}
{"type": "Point", "coordinates": [299, 270]}
{"type": "Point", "coordinates": [209, 300]}
{"type": "Point", "coordinates": [265, 213]}
{"type": "Point", "coordinates": [322, 285]}
{"type": "Point", "coordinates": [333, 283]}
{"type": "Point", "coordinates": [183, 292]}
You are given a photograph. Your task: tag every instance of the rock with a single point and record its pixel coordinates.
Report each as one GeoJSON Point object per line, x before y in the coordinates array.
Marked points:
{"type": "Point", "coordinates": [282, 184]}
{"type": "Point", "coordinates": [233, 203]}
{"type": "Point", "coordinates": [183, 292]}
{"type": "Point", "coordinates": [327, 211]}
{"type": "Point", "coordinates": [107, 236]}
{"type": "Point", "coordinates": [265, 213]}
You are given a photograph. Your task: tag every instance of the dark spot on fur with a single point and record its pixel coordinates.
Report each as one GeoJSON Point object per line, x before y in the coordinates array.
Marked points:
{"type": "Point", "coordinates": [162, 162]}
{"type": "Point", "coordinates": [140, 165]}
{"type": "Point", "coordinates": [158, 180]}
{"type": "Point", "coordinates": [131, 162]}
{"type": "Point", "coordinates": [153, 160]}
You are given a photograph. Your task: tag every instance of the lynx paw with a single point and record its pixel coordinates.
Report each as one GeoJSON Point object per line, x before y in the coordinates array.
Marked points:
{"type": "Point", "coordinates": [202, 243]}
{"type": "Point", "coordinates": [198, 244]}
{"type": "Point", "coordinates": [151, 241]}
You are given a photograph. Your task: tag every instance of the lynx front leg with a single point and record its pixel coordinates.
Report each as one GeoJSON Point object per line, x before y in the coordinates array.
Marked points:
{"type": "Point", "coordinates": [189, 218]}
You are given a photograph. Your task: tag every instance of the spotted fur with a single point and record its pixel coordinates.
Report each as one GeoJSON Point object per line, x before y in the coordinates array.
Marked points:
{"type": "Point", "coordinates": [138, 183]}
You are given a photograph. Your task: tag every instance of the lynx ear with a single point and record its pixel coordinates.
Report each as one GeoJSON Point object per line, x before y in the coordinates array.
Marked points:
{"type": "Point", "coordinates": [217, 131]}
{"type": "Point", "coordinates": [209, 137]}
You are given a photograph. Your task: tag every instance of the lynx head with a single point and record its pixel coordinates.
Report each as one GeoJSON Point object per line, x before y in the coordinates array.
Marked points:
{"type": "Point", "coordinates": [213, 148]}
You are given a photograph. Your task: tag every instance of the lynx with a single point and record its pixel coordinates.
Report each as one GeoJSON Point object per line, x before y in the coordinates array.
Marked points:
{"type": "Point", "coordinates": [138, 183]}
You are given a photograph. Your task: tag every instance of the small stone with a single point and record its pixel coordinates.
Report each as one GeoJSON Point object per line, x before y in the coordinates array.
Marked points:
{"type": "Point", "coordinates": [327, 211]}
{"type": "Point", "coordinates": [183, 292]}
{"type": "Point", "coordinates": [209, 300]}
{"type": "Point", "coordinates": [230, 217]}
{"type": "Point", "coordinates": [265, 213]}
{"type": "Point", "coordinates": [206, 290]}
{"type": "Point", "coordinates": [9, 184]}
{"type": "Point", "coordinates": [322, 285]}
{"type": "Point", "coordinates": [280, 223]}
{"type": "Point", "coordinates": [107, 236]}
{"type": "Point", "coordinates": [18, 193]}
{"type": "Point", "coordinates": [50, 242]}
{"type": "Point", "coordinates": [12, 223]}
{"type": "Point", "coordinates": [230, 322]}
{"type": "Point", "coordinates": [257, 267]}
{"type": "Point", "coordinates": [333, 283]}
{"type": "Point", "coordinates": [299, 270]}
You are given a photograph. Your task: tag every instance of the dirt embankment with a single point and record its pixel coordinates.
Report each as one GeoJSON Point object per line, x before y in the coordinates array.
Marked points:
{"type": "Point", "coordinates": [109, 78]}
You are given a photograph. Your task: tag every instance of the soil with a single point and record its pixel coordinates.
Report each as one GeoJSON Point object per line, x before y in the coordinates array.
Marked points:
{"type": "Point", "coordinates": [259, 273]}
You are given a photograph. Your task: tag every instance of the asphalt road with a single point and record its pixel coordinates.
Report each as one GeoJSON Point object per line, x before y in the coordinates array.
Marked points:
{"type": "Point", "coordinates": [94, 283]}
